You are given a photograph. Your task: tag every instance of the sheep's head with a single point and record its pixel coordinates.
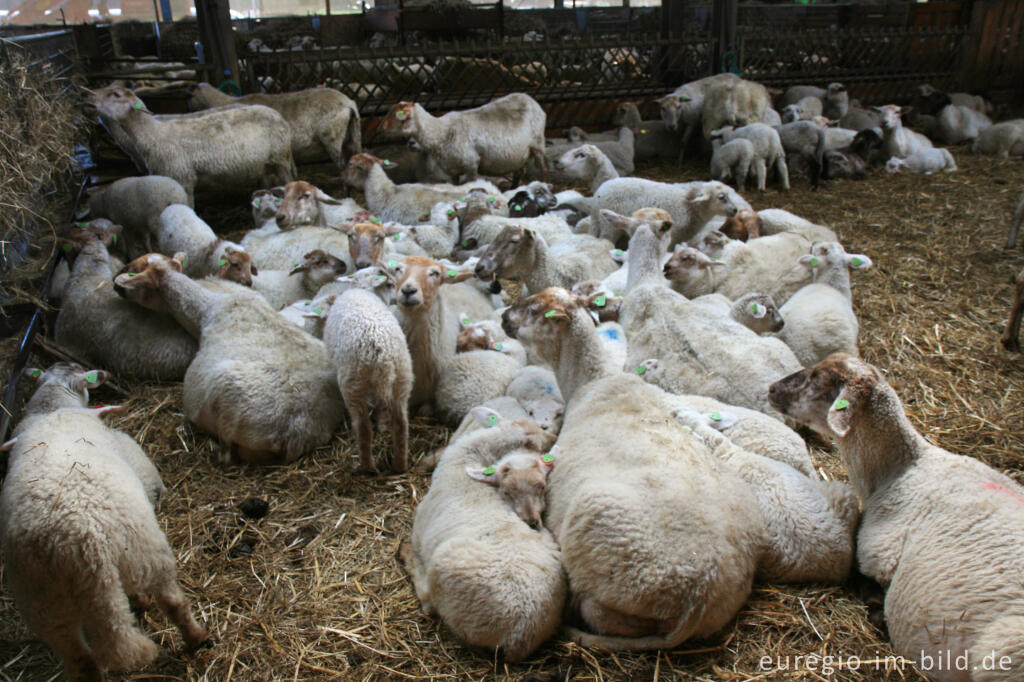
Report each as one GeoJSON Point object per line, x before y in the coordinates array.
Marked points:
{"type": "Point", "coordinates": [418, 279]}
{"type": "Point", "coordinates": [539, 320]}
{"type": "Point", "coordinates": [399, 118]}
{"type": "Point", "coordinates": [672, 109]}
{"type": "Point", "coordinates": [712, 243]}
{"type": "Point", "coordinates": [69, 375]}
{"type": "Point", "coordinates": [837, 164]}
{"type": "Point", "coordinates": [825, 255]}
{"type": "Point", "coordinates": [746, 224]}
{"type": "Point", "coordinates": [98, 230]}
{"type": "Point", "coordinates": [828, 395]}
{"type": "Point", "coordinates": [835, 88]}
{"type": "Point", "coordinates": [359, 166]}
{"type": "Point", "coordinates": [116, 103]}
{"type": "Point", "coordinates": [687, 265]}
{"type": "Point", "coordinates": [302, 204]}
{"type": "Point", "coordinates": [578, 163]}
{"type": "Point", "coordinates": [235, 265]}
{"type": "Point", "coordinates": [758, 312]}
{"type": "Point", "coordinates": [140, 279]}
{"type": "Point", "coordinates": [510, 254]}
{"type": "Point", "coordinates": [890, 114]}
{"type": "Point", "coordinates": [476, 204]}
{"type": "Point", "coordinates": [792, 112]}
{"type": "Point", "coordinates": [717, 198]}
{"type": "Point", "coordinates": [442, 214]}
{"type": "Point", "coordinates": [627, 114]}
{"type": "Point", "coordinates": [659, 220]}
{"type": "Point", "coordinates": [367, 241]}
{"type": "Point", "coordinates": [546, 413]}
{"type": "Point", "coordinates": [542, 194]}
{"type": "Point", "coordinates": [319, 267]}
{"type": "Point", "coordinates": [265, 203]}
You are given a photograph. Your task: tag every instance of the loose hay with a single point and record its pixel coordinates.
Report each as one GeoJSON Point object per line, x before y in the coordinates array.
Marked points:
{"type": "Point", "coordinates": [313, 590]}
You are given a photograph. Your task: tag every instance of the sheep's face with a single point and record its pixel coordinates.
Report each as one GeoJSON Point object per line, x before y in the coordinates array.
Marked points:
{"type": "Point", "coordinates": [626, 114]}
{"type": "Point", "coordinates": [542, 194]}
{"type": "Point", "coordinates": [319, 267]}
{"type": "Point", "coordinates": [746, 224]}
{"type": "Point", "coordinates": [265, 203]}
{"type": "Point", "coordinates": [236, 265]}
{"type": "Point", "coordinates": [759, 313]}
{"type": "Point", "coordinates": [539, 320]}
{"type": "Point", "coordinates": [367, 241]}
{"type": "Point", "coordinates": [522, 479]}
{"type": "Point", "coordinates": [509, 255]}
{"type": "Point", "coordinates": [98, 230]}
{"type": "Point", "coordinates": [302, 204]}
{"type": "Point", "coordinates": [546, 413]}
{"type": "Point", "coordinates": [399, 118]}
{"type": "Point", "coordinates": [712, 243]}
{"type": "Point", "coordinates": [890, 114]}
{"type": "Point", "coordinates": [141, 278]}
{"type": "Point", "coordinates": [577, 162]}
{"type": "Point", "coordinates": [672, 109]}
{"type": "Point", "coordinates": [418, 279]}
{"type": "Point", "coordinates": [825, 255]}
{"type": "Point", "coordinates": [658, 220]}
{"type": "Point", "coordinates": [116, 103]}
{"type": "Point", "coordinates": [358, 169]}
{"type": "Point", "coordinates": [825, 397]}
{"type": "Point", "coordinates": [719, 197]}
{"type": "Point", "coordinates": [483, 335]}
{"type": "Point", "coordinates": [835, 88]}
{"type": "Point", "coordinates": [71, 376]}
{"type": "Point", "coordinates": [792, 112]}
{"type": "Point", "coordinates": [687, 265]}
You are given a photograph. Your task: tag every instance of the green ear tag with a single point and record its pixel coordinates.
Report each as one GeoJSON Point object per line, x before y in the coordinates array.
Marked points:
{"type": "Point", "coordinates": [548, 458]}
{"type": "Point", "coordinates": [113, 239]}
{"type": "Point", "coordinates": [841, 405]}
{"type": "Point", "coordinates": [466, 322]}
{"type": "Point", "coordinates": [67, 247]}
{"type": "Point", "coordinates": [375, 220]}
{"type": "Point", "coordinates": [81, 225]}
{"type": "Point", "coordinates": [392, 264]}
{"type": "Point", "coordinates": [490, 200]}
{"type": "Point", "coordinates": [489, 471]}
{"type": "Point", "coordinates": [256, 203]}
{"type": "Point", "coordinates": [687, 429]}
{"type": "Point", "coordinates": [398, 236]}
{"type": "Point", "coordinates": [497, 345]}
{"type": "Point", "coordinates": [91, 377]}
{"type": "Point", "coordinates": [465, 243]}
{"type": "Point", "coordinates": [814, 262]}
{"type": "Point", "coordinates": [426, 216]}
{"type": "Point", "coordinates": [132, 274]}
{"type": "Point", "coordinates": [387, 163]}
{"type": "Point", "coordinates": [753, 308]}
{"type": "Point", "coordinates": [640, 370]}
{"type": "Point", "coordinates": [138, 105]}
{"type": "Point", "coordinates": [222, 262]}
{"type": "Point", "coordinates": [517, 207]}
{"type": "Point", "coordinates": [855, 262]}
{"type": "Point", "coordinates": [619, 252]}
{"type": "Point", "coordinates": [600, 301]}
{"type": "Point", "coordinates": [307, 303]}
{"type": "Point", "coordinates": [318, 310]}
{"type": "Point", "coordinates": [453, 273]}
{"type": "Point", "coordinates": [715, 416]}
{"type": "Point", "coordinates": [492, 420]}
{"type": "Point", "coordinates": [463, 199]}
{"type": "Point", "coordinates": [36, 373]}
{"type": "Point", "coordinates": [450, 211]}
{"type": "Point", "coordinates": [551, 313]}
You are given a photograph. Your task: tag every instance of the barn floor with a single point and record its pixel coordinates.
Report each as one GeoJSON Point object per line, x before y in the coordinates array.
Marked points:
{"type": "Point", "coordinates": [313, 590]}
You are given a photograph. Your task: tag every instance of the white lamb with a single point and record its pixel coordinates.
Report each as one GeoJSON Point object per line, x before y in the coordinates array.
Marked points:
{"type": "Point", "coordinates": [923, 161]}
{"type": "Point", "coordinates": [536, 389]}
{"type": "Point", "coordinates": [586, 164]}
{"type": "Point", "coordinates": [1003, 139]}
{"type": "Point", "coordinates": [767, 150]}
{"type": "Point", "coordinates": [896, 140]}
{"type": "Point", "coordinates": [819, 317]}
{"type": "Point", "coordinates": [733, 160]}
{"type": "Point", "coordinates": [943, 533]}
{"type": "Point", "coordinates": [79, 534]}
{"type": "Point", "coordinates": [282, 288]}
{"type": "Point", "coordinates": [136, 203]}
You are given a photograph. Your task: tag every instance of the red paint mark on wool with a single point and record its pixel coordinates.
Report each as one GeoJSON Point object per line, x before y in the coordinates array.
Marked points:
{"type": "Point", "coordinates": [989, 485]}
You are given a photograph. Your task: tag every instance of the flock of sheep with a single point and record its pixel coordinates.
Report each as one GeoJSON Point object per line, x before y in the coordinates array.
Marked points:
{"type": "Point", "coordinates": [624, 464]}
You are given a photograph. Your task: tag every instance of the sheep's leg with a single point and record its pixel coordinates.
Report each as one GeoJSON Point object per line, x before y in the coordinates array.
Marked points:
{"type": "Point", "coordinates": [1011, 337]}
{"type": "Point", "coordinates": [762, 174]}
{"type": "Point", "coordinates": [783, 171]}
{"type": "Point", "coordinates": [399, 438]}
{"type": "Point", "coordinates": [684, 140]}
{"type": "Point", "coordinates": [363, 428]}
{"type": "Point", "coordinates": [741, 174]}
{"type": "Point", "coordinates": [69, 643]}
{"type": "Point", "coordinates": [1018, 220]}
{"type": "Point", "coordinates": [110, 626]}
{"type": "Point", "coordinates": [175, 604]}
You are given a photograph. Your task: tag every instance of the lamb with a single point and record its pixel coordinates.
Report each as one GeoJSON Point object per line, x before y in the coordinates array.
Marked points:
{"type": "Point", "coordinates": [488, 335]}
{"type": "Point", "coordinates": [1011, 336]}
{"type": "Point", "coordinates": [776, 220]}
{"type": "Point", "coordinates": [471, 378]}
{"type": "Point", "coordinates": [520, 253]}
{"type": "Point", "coordinates": [896, 140]}
{"type": "Point", "coordinates": [767, 150]}
{"type": "Point", "coordinates": [179, 229]}
{"type": "Point", "coordinates": [403, 203]}
{"type": "Point", "coordinates": [652, 139]}
{"type": "Point", "coordinates": [744, 225]}
{"type": "Point", "coordinates": [79, 534]}
{"type": "Point", "coordinates": [497, 138]}
{"type": "Point", "coordinates": [185, 147]}
{"type": "Point", "coordinates": [480, 224]}
{"type": "Point", "coordinates": [860, 119]}
{"type": "Point", "coordinates": [136, 203]}
{"type": "Point", "coordinates": [281, 288]}
{"type": "Point", "coordinates": [735, 103]}
{"type": "Point", "coordinates": [943, 533]}
{"type": "Point", "coordinates": [605, 511]}
{"type": "Point", "coordinates": [258, 383]}
{"type": "Point", "coordinates": [923, 161]}
{"type": "Point", "coordinates": [804, 110]}
{"type": "Point", "coordinates": [620, 152]}
{"type": "Point", "coordinates": [586, 164]}
{"type": "Point", "coordinates": [439, 236]}
{"type": "Point", "coordinates": [302, 203]}
{"type": "Point", "coordinates": [837, 101]}
{"type": "Point", "coordinates": [502, 589]}
{"type": "Point", "coordinates": [755, 311]}
{"type": "Point", "coordinates": [795, 93]}
{"type": "Point", "coordinates": [536, 390]}
{"type": "Point", "coordinates": [367, 349]}
{"type": "Point", "coordinates": [681, 110]}
{"type": "Point", "coordinates": [96, 324]}
{"type": "Point", "coordinates": [842, 163]}
{"type": "Point", "coordinates": [820, 318]}
{"type": "Point", "coordinates": [959, 124]}
{"type": "Point", "coordinates": [324, 122]}
{"type": "Point", "coordinates": [1003, 139]}
{"type": "Point", "coordinates": [1016, 223]}
{"type": "Point", "coordinates": [809, 141]}
{"type": "Point", "coordinates": [733, 160]}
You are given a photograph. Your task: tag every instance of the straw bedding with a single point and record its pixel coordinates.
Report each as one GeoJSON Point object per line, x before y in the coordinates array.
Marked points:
{"type": "Point", "coordinates": [313, 590]}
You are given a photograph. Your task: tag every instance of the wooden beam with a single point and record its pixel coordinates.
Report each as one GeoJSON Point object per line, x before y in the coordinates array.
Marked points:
{"type": "Point", "coordinates": [215, 32]}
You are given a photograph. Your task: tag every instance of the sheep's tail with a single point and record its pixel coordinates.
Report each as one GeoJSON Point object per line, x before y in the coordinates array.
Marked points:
{"type": "Point", "coordinates": [353, 143]}
{"type": "Point", "coordinates": [116, 642]}
{"type": "Point", "coordinates": [680, 632]}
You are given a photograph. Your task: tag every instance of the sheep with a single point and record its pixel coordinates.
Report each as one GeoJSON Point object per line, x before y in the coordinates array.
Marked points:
{"type": "Point", "coordinates": [735, 103]}
{"type": "Point", "coordinates": [438, 236]}
{"type": "Point", "coordinates": [620, 152]}
{"type": "Point", "coordinates": [480, 224]}
{"type": "Point", "coordinates": [257, 382]}
{"type": "Point", "coordinates": [179, 229]}
{"type": "Point", "coordinates": [519, 252]}
{"type": "Point", "coordinates": [605, 507]}
{"type": "Point", "coordinates": [79, 534]}
{"type": "Point", "coordinates": [819, 317]}
{"type": "Point", "coordinates": [536, 390]}
{"type": "Point", "coordinates": [733, 160]}
{"type": "Point", "coordinates": [371, 242]}
{"type": "Point", "coordinates": [473, 377]}
{"type": "Point", "coordinates": [842, 163]}
{"type": "Point", "coordinates": [943, 533]}
{"type": "Point", "coordinates": [929, 101]}
{"type": "Point", "coordinates": [506, 407]}
{"type": "Point", "coordinates": [1016, 223]}
{"type": "Point", "coordinates": [497, 138]}
{"type": "Point", "coordinates": [367, 349]}
{"type": "Point", "coordinates": [1011, 336]}
{"type": "Point", "coordinates": [959, 124]}
{"type": "Point", "coordinates": [136, 203]}
{"type": "Point", "coordinates": [96, 324]}
{"type": "Point", "coordinates": [403, 203]}
{"type": "Point", "coordinates": [776, 220]}
{"type": "Point", "coordinates": [302, 203]}
{"type": "Point", "coordinates": [923, 161]}
{"type": "Point", "coordinates": [860, 119]}
{"type": "Point", "coordinates": [755, 311]}
{"type": "Point", "coordinates": [804, 110]}
{"type": "Point", "coordinates": [531, 200]}
{"type": "Point", "coordinates": [652, 139]}
{"type": "Point", "coordinates": [188, 149]}
{"type": "Point", "coordinates": [487, 335]}
{"type": "Point", "coordinates": [807, 140]}
{"type": "Point", "coordinates": [324, 122]}
{"type": "Point", "coordinates": [896, 140]}
{"type": "Point", "coordinates": [586, 164]}
{"type": "Point", "coordinates": [681, 110]}
{"type": "Point", "coordinates": [744, 225]}
{"type": "Point", "coordinates": [795, 93]}
{"type": "Point", "coordinates": [281, 288]}
{"type": "Point", "coordinates": [836, 101]}
{"type": "Point", "coordinates": [503, 588]}
{"type": "Point", "coordinates": [767, 150]}
{"type": "Point", "coordinates": [1003, 139]}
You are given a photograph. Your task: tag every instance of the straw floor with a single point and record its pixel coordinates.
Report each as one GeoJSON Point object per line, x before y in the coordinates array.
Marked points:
{"type": "Point", "coordinates": [314, 591]}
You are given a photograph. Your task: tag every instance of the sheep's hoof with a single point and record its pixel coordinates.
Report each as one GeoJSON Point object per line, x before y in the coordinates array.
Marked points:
{"type": "Point", "coordinates": [1011, 344]}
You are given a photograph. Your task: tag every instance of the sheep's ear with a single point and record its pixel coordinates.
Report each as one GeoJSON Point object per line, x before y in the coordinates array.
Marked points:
{"type": "Point", "coordinates": [703, 195]}
{"type": "Point", "coordinates": [453, 275]}
{"type": "Point", "coordinates": [809, 261]}
{"type": "Point", "coordinates": [298, 267]}
{"type": "Point", "coordinates": [178, 261]}
{"type": "Point", "coordinates": [464, 321]}
{"type": "Point", "coordinates": [6, 447]}
{"type": "Point", "coordinates": [392, 230]}
{"type": "Point", "coordinates": [840, 413]}
{"type": "Point", "coordinates": [488, 475]}
{"type": "Point", "coordinates": [485, 416]}
{"type": "Point", "coordinates": [324, 198]}
{"type": "Point", "coordinates": [136, 280]}
{"type": "Point", "coordinates": [721, 421]}
{"type": "Point", "coordinates": [758, 310]}
{"type": "Point", "coordinates": [278, 191]}
{"type": "Point", "coordinates": [319, 312]}
{"type": "Point", "coordinates": [253, 270]}
{"type": "Point", "coordinates": [345, 228]}
{"type": "Point", "coordinates": [618, 255]}
{"type": "Point", "coordinates": [388, 164]}
{"type": "Point", "coordinates": [619, 221]}
{"type": "Point", "coordinates": [858, 261]}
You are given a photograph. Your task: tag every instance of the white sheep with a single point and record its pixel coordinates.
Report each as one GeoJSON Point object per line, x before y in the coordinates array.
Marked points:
{"type": "Point", "coordinates": [498, 138]}
{"type": "Point", "coordinates": [586, 164]}
{"type": "Point", "coordinates": [439, 234]}
{"type": "Point", "coordinates": [179, 229]}
{"type": "Point", "coordinates": [136, 203]}
{"type": "Point", "coordinates": [733, 160]}
{"type": "Point", "coordinates": [896, 140]}
{"type": "Point", "coordinates": [959, 124]}
{"type": "Point", "coordinates": [776, 220]}
{"type": "Point", "coordinates": [755, 311]}
{"type": "Point", "coordinates": [819, 317]}
{"type": "Point", "coordinates": [97, 324]}
{"type": "Point", "coordinates": [281, 288]}
{"type": "Point", "coordinates": [619, 151]}
{"type": "Point", "coordinates": [324, 122]}
{"type": "Point", "coordinates": [481, 224]}
{"type": "Point", "coordinates": [795, 93]}
{"type": "Point", "coordinates": [79, 534]}
{"type": "Point", "coordinates": [652, 139]}
{"type": "Point", "coordinates": [803, 110]}
{"type": "Point", "coordinates": [494, 580]}
{"type": "Point", "coordinates": [192, 149]}
{"type": "Point", "coordinates": [924, 162]}
{"type": "Point", "coordinates": [367, 349]}
{"type": "Point", "coordinates": [768, 150]}
{"type": "Point", "coordinates": [471, 378]}
{"type": "Point", "coordinates": [1003, 139]}
{"type": "Point", "coordinates": [681, 109]}
{"type": "Point", "coordinates": [302, 203]}
{"type": "Point", "coordinates": [536, 390]}
{"type": "Point", "coordinates": [258, 383]}
{"type": "Point", "coordinates": [942, 533]}
{"type": "Point", "coordinates": [734, 102]}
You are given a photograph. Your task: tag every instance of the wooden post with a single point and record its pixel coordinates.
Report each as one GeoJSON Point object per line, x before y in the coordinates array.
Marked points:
{"type": "Point", "coordinates": [214, 17]}
{"type": "Point", "coordinates": [723, 27]}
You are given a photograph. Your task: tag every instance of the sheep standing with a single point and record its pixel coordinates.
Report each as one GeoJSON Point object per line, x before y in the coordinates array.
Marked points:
{"type": "Point", "coordinates": [324, 122]}
{"type": "Point", "coordinates": [943, 533]}
{"type": "Point", "coordinates": [767, 150]}
{"type": "Point", "coordinates": [79, 534]}
{"type": "Point", "coordinates": [681, 110]}
{"type": "Point", "coordinates": [733, 160]}
{"type": "Point", "coordinates": [734, 102]}
{"type": "Point", "coordinates": [194, 149]}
